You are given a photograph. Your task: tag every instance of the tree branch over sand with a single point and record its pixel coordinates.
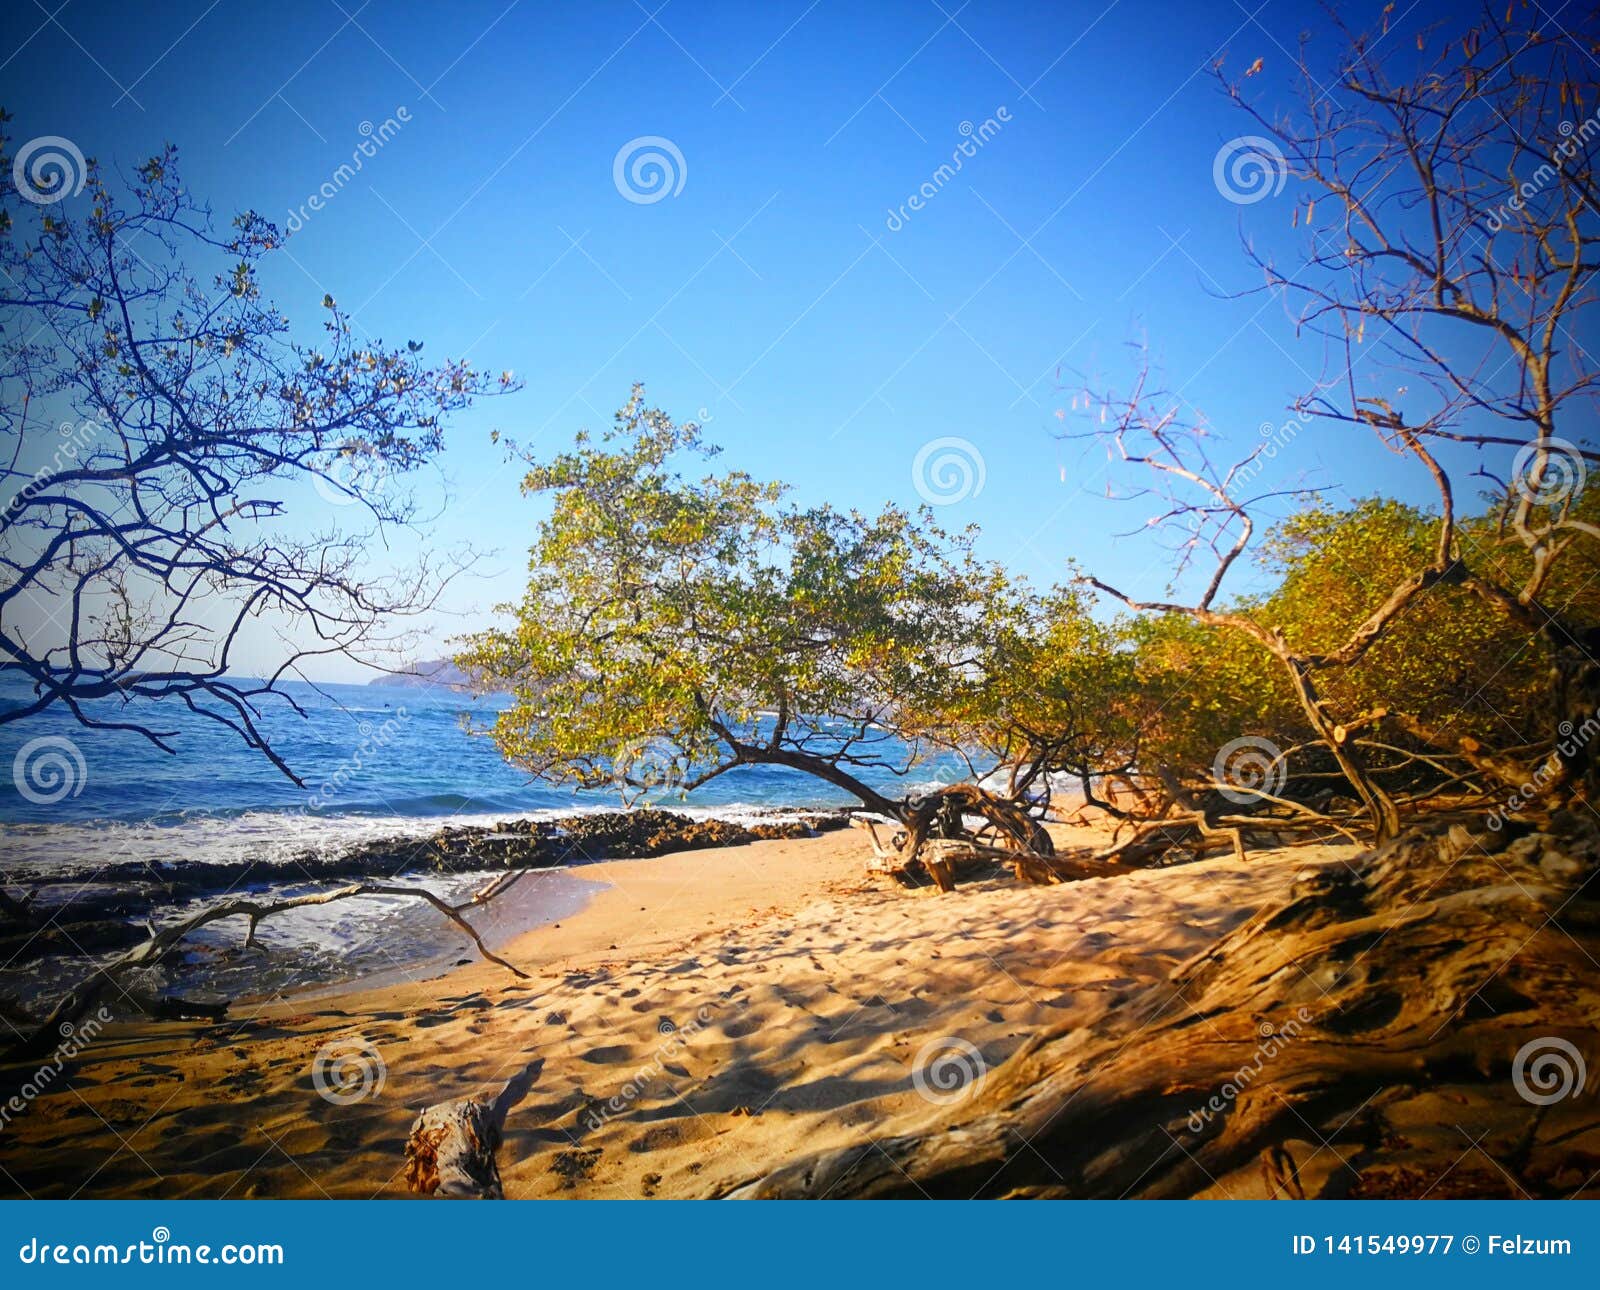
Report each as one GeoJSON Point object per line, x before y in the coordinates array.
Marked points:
{"type": "Point", "coordinates": [162, 943]}
{"type": "Point", "coordinates": [675, 630]}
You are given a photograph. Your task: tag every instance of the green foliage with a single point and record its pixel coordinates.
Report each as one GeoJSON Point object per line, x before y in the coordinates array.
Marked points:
{"type": "Point", "coordinates": [1451, 660]}
{"type": "Point", "coordinates": [139, 549]}
{"type": "Point", "coordinates": [676, 627]}
{"type": "Point", "coordinates": [1166, 690]}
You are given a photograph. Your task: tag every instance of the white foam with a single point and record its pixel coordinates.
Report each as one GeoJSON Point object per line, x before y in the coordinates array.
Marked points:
{"type": "Point", "coordinates": [76, 850]}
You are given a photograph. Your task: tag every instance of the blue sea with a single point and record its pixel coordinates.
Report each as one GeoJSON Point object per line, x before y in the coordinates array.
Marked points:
{"type": "Point", "coordinates": [374, 758]}
{"type": "Point", "coordinates": [378, 761]}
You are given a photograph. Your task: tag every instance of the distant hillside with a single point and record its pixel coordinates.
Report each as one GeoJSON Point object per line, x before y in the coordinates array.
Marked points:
{"type": "Point", "coordinates": [438, 671]}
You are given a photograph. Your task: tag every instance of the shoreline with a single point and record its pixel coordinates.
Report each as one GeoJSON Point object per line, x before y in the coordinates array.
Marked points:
{"type": "Point", "coordinates": [83, 922]}
{"type": "Point", "coordinates": [707, 1014]}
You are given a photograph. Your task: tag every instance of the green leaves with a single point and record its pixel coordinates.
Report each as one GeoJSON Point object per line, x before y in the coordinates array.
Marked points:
{"type": "Point", "coordinates": [709, 614]}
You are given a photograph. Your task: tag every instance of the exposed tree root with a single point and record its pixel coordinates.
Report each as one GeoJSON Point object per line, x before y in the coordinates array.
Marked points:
{"type": "Point", "coordinates": [1362, 1038]}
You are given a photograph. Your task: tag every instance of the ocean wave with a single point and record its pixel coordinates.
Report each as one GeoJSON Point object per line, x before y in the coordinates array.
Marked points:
{"type": "Point", "coordinates": [217, 838]}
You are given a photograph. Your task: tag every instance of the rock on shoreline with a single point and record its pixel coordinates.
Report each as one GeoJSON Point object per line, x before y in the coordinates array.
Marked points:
{"type": "Point", "coordinates": [71, 918]}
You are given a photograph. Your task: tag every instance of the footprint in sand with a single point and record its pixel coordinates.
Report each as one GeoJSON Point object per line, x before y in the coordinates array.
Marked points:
{"type": "Point", "coordinates": [607, 1055]}
{"type": "Point", "coordinates": [740, 1028]}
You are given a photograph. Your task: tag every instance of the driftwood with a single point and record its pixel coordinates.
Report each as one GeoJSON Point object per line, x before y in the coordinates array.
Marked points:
{"type": "Point", "coordinates": [47, 1035]}
{"type": "Point", "coordinates": [453, 1147]}
{"type": "Point", "coordinates": [1183, 821]}
{"type": "Point", "coordinates": [1008, 833]}
{"type": "Point", "coordinates": [1008, 837]}
{"type": "Point", "coordinates": [942, 859]}
{"type": "Point", "coordinates": [1329, 1045]}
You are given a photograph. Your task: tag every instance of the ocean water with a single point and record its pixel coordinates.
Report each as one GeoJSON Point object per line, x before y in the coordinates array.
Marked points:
{"type": "Point", "coordinates": [377, 761]}
{"type": "Point", "coordinates": [78, 805]}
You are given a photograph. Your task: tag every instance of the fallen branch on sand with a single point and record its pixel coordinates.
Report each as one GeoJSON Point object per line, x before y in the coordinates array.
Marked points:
{"type": "Point", "coordinates": [939, 841]}
{"type": "Point", "coordinates": [165, 940]}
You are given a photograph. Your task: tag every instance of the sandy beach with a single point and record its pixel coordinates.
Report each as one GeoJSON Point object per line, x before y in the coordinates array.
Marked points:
{"type": "Point", "coordinates": [708, 1016]}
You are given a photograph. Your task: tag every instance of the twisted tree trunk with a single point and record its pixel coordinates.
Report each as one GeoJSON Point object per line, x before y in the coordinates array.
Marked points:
{"type": "Point", "coordinates": [1331, 1045]}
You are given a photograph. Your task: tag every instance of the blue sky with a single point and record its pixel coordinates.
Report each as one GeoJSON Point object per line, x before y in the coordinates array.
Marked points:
{"type": "Point", "coordinates": [768, 295]}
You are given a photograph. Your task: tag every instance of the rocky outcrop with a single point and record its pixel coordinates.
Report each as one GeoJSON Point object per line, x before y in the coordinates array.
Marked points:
{"type": "Point", "coordinates": [74, 918]}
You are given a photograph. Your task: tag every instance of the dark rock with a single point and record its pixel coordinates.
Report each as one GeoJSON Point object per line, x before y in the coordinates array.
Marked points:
{"type": "Point", "coordinates": [113, 912]}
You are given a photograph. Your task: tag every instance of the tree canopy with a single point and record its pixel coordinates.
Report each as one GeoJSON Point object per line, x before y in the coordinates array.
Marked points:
{"type": "Point", "coordinates": [676, 628]}
{"type": "Point", "coordinates": [140, 539]}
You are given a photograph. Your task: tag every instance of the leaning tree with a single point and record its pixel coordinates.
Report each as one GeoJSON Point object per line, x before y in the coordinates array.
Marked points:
{"type": "Point", "coordinates": [677, 629]}
{"type": "Point", "coordinates": [1445, 181]}
{"type": "Point", "coordinates": [1448, 242]}
{"type": "Point", "coordinates": [162, 419]}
